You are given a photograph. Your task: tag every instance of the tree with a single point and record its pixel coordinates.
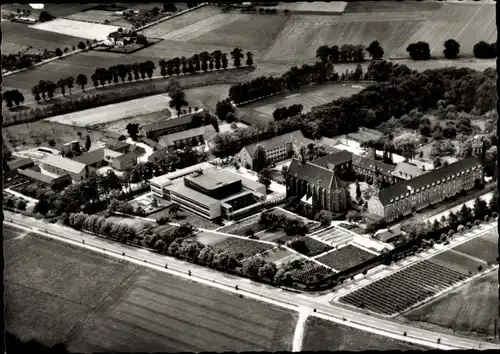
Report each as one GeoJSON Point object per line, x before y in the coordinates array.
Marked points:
{"type": "Point", "coordinates": [62, 84]}
{"type": "Point", "coordinates": [284, 172]}
{"type": "Point", "coordinates": [358, 190]}
{"type": "Point", "coordinates": [493, 204]}
{"type": "Point", "coordinates": [45, 16]}
{"type": "Point", "coordinates": [353, 215]}
{"type": "Point", "coordinates": [268, 271]}
{"type": "Point", "coordinates": [88, 143]}
{"type": "Point", "coordinates": [169, 7]}
{"type": "Point", "coordinates": [174, 209]}
{"type": "Point", "coordinates": [178, 99]}
{"type": "Point", "coordinates": [480, 208]}
{"type": "Point", "coordinates": [375, 50]}
{"type": "Point", "coordinates": [324, 217]}
{"type": "Point", "coordinates": [251, 266]}
{"type": "Point", "coordinates": [59, 52]}
{"type": "Point", "coordinates": [70, 81]}
{"type": "Point", "coordinates": [249, 59]}
{"type": "Point", "coordinates": [224, 61]}
{"type": "Point", "coordinates": [260, 161]}
{"type": "Point", "coordinates": [21, 205]}
{"type": "Point", "coordinates": [81, 80]}
{"type": "Point", "coordinates": [451, 49]}
{"type": "Point", "coordinates": [483, 50]}
{"type": "Point", "coordinates": [237, 55]}
{"type": "Point", "coordinates": [133, 130]}
{"type": "Point", "coordinates": [223, 108]}
{"type": "Point", "coordinates": [419, 51]}
{"type": "Point", "coordinates": [323, 53]}
{"type": "Point", "coordinates": [81, 45]}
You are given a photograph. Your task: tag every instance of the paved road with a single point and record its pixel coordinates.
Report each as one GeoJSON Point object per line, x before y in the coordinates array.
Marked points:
{"type": "Point", "coordinates": [267, 293]}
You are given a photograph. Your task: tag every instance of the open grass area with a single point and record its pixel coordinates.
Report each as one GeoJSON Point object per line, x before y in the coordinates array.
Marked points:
{"type": "Point", "coordinates": [21, 34]}
{"type": "Point", "coordinates": [458, 262]}
{"type": "Point", "coordinates": [207, 96]}
{"type": "Point", "coordinates": [483, 247]}
{"type": "Point", "coordinates": [309, 97]}
{"type": "Point", "coordinates": [50, 287]}
{"type": "Point", "coordinates": [313, 247]}
{"type": "Point", "coordinates": [29, 135]}
{"type": "Point", "coordinates": [325, 335]}
{"type": "Point", "coordinates": [209, 238]}
{"type": "Point", "coordinates": [276, 254]}
{"type": "Point", "coordinates": [87, 30]}
{"type": "Point", "coordinates": [247, 248]}
{"type": "Point", "coordinates": [58, 293]}
{"type": "Point", "coordinates": [346, 257]}
{"type": "Point", "coordinates": [471, 309]}
{"type": "Point", "coordinates": [184, 216]}
{"type": "Point", "coordinates": [160, 313]}
{"type": "Point", "coordinates": [240, 228]}
{"type": "Point", "coordinates": [136, 223]}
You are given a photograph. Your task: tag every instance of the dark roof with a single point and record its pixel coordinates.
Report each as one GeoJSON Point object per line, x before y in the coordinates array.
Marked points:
{"type": "Point", "coordinates": [314, 174]}
{"type": "Point", "coordinates": [401, 188]}
{"type": "Point", "coordinates": [372, 165]}
{"type": "Point", "coordinates": [158, 154]}
{"type": "Point", "coordinates": [167, 123]}
{"type": "Point", "coordinates": [117, 145]}
{"type": "Point", "coordinates": [19, 163]}
{"type": "Point", "coordinates": [39, 176]}
{"type": "Point", "coordinates": [128, 156]}
{"type": "Point", "coordinates": [387, 235]}
{"type": "Point", "coordinates": [294, 137]}
{"type": "Point", "coordinates": [91, 157]}
{"type": "Point", "coordinates": [334, 159]}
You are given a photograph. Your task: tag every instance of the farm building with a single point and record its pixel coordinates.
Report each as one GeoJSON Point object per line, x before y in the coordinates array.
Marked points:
{"type": "Point", "coordinates": [215, 194]}
{"type": "Point", "coordinates": [277, 149]}
{"type": "Point", "coordinates": [405, 197]}
{"type": "Point", "coordinates": [53, 182]}
{"type": "Point", "coordinates": [106, 157]}
{"type": "Point", "coordinates": [191, 137]}
{"type": "Point", "coordinates": [13, 168]}
{"type": "Point", "coordinates": [166, 126]}
{"type": "Point", "coordinates": [317, 186]}
{"type": "Point", "coordinates": [72, 146]}
{"type": "Point", "coordinates": [64, 166]}
{"type": "Point", "coordinates": [407, 171]}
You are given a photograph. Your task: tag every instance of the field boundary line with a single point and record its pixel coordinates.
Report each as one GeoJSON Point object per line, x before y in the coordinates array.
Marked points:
{"type": "Point", "coordinates": [468, 256]}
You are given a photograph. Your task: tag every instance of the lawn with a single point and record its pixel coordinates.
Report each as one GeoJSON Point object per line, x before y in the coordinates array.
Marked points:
{"type": "Point", "coordinates": [346, 257]}
{"type": "Point", "coordinates": [470, 309]}
{"type": "Point", "coordinates": [136, 223]}
{"type": "Point", "coordinates": [485, 248]}
{"type": "Point", "coordinates": [207, 96]}
{"type": "Point", "coordinates": [276, 254]}
{"type": "Point", "coordinates": [457, 261]}
{"type": "Point", "coordinates": [80, 29]}
{"type": "Point", "coordinates": [322, 335]}
{"type": "Point", "coordinates": [185, 216]}
{"type": "Point", "coordinates": [58, 293]}
{"type": "Point", "coordinates": [209, 238]}
{"type": "Point", "coordinates": [29, 135]}
{"type": "Point", "coordinates": [240, 228]}
{"type": "Point", "coordinates": [313, 247]}
{"type": "Point", "coordinates": [21, 34]}
{"type": "Point", "coordinates": [51, 287]}
{"type": "Point", "coordinates": [247, 248]}
{"type": "Point", "coordinates": [160, 313]}
{"type": "Point", "coordinates": [309, 97]}
{"type": "Point", "coordinates": [11, 232]}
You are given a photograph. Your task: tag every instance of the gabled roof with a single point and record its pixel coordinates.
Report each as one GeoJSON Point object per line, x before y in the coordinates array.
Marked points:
{"type": "Point", "coordinates": [407, 171]}
{"type": "Point", "coordinates": [64, 163]}
{"type": "Point", "coordinates": [167, 123]}
{"type": "Point", "coordinates": [400, 189]}
{"type": "Point", "coordinates": [19, 163]}
{"type": "Point", "coordinates": [338, 158]}
{"type": "Point", "coordinates": [329, 141]}
{"type": "Point", "coordinates": [91, 157]}
{"type": "Point", "coordinates": [39, 176]}
{"type": "Point", "coordinates": [294, 137]}
{"type": "Point", "coordinates": [314, 174]}
{"type": "Point", "coordinates": [170, 139]}
{"type": "Point", "coordinates": [128, 156]}
{"type": "Point", "coordinates": [372, 165]}
{"type": "Point", "coordinates": [117, 145]}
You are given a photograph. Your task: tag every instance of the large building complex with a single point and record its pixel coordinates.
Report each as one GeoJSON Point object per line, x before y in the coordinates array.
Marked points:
{"type": "Point", "coordinates": [191, 137]}
{"type": "Point", "coordinates": [167, 126]}
{"type": "Point", "coordinates": [107, 157]}
{"type": "Point", "coordinates": [216, 194]}
{"type": "Point", "coordinates": [405, 197]}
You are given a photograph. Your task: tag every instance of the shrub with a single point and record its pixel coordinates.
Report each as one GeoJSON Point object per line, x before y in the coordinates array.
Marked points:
{"type": "Point", "coordinates": [81, 45]}
{"type": "Point", "coordinates": [494, 214]}
{"type": "Point", "coordinates": [162, 220]}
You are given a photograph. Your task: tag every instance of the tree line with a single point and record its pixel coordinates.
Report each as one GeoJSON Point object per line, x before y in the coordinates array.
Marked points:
{"type": "Point", "coordinates": [12, 97]}
{"type": "Point", "coordinates": [348, 53]}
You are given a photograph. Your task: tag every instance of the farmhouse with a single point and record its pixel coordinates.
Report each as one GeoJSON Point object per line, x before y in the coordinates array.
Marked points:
{"type": "Point", "coordinates": [406, 171]}
{"type": "Point", "coordinates": [64, 166]}
{"type": "Point", "coordinates": [277, 149]}
{"type": "Point", "coordinates": [13, 168]}
{"type": "Point", "coordinates": [317, 186]}
{"type": "Point", "coordinates": [191, 137]}
{"type": "Point", "coordinates": [104, 157]}
{"type": "Point", "coordinates": [432, 187]}
{"type": "Point", "coordinates": [369, 168]}
{"type": "Point", "coordinates": [53, 182]}
{"type": "Point", "coordinates": [166, 126]}
{"type": "Point", "coordinates": [216, 194]}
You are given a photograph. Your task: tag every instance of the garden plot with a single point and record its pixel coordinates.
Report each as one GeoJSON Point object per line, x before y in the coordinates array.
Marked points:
{"type": "Point", "coordinates": [77, 28]}
{"type": "Point", "coordinates": [209, 238]}
{"type": "Point", "coordinates": [205, 26]}
{"type": "Point", "coordinates": [458, 262]}
{"type": "Point", "coordinates": [404, 288]}
{"type": "Point", "coordinates": [137, 223]}
{"type": "Point", "coordinates": [334, 236]}
{"type": "Point", "coordinates": [346, 257]}
{"type": "Point", "coordinates": [318, 6]}
{"type": "Point", "coordinates": [311, 247]}
{"type": "Point", "coordinates": [484, 248]}
{"type": "Point", "coordinates": [276, 255]}
{"type": "Point", "coordinates": [247, 248]}
{"type": "Point", "coordinates": [113, 112]}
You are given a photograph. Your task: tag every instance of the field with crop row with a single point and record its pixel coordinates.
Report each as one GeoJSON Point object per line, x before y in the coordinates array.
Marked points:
{"type": "Point", "coordinates": [276, 254]}
{"type": "Point", "coordinates": [457, 261]}
{"type": "Point", "coordinates": [470, 309]}
{"type": "Point", "coordinates": [54, 293]}
{"type": "Point", "coordinates": [313, 247]}
{"type": "Point", "coordinates": [346, 257]}
{"type": "Point", "coordinates": [484, 247]}
{"type": "Point", "coordinates": [404, 288]}
{"type": "Point", "coordinates": [74, 28]}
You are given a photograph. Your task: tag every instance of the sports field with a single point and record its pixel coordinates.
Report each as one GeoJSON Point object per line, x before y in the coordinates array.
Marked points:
{"type": "Point", "coordinates": [54, 293]}
{"type": "Point", "coordinates": [309, 97]}
{"type": "Point", "coordinates": [470, 309]}
{"type": "Point", "coordinates": [321, 335]}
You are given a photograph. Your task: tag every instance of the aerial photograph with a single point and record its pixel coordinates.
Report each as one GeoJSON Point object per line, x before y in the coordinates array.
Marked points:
{"type": "Point", "coordinates": [230, 176]}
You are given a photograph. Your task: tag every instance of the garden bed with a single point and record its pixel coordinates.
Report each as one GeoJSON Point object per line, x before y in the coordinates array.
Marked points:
{"type": "Point", "coordinates": [241, 228]}
{"type": "Point", "coordinates": [309, 246]}
{"type": "Point", "coordinates": [247, 248]}
{"type": "Point", "coordinates": [184, 216]}
{"type": "Point", "coordinates": [346, 257]}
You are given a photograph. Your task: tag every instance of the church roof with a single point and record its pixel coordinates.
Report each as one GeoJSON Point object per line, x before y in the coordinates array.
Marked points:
{"type": "Point", "coordinates": [316, 175]}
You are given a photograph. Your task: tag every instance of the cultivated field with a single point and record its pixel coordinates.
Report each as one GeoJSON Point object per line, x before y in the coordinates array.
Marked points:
{"type": "Point", "coordinates": [74, 28]}
{"type": "Point", "coordinates": [404, 288]}
{"type": "Point", "coordinates": [18, 37]}
{"type": "Point", "coordinates": [247, 248]}
{"type": "Point", "coordinates": [457, 261]}
{"type": "Point", "coordinates": [120, 126]}
{"type": "Point", "coordinates": [313, 247]}
{"type": "Point", "coordinates": [309, 97]}
{"type": "Point", "coordinates": [318, 6]}
{"type": "Point", "coordinates": [207, 96]}
{"type": "Point", "coordinates": [276, 254]}
{"type": "Point", "coordinates": [58, 10]}
{"type": "Point", "coordinates": [113, 112]}
{"type": "Point", "coordinates": [56, 293]}
{"type": "Point", "coordinates": [470, 309]}
{"type": "Point", "coordinates": [321, 335]}
{"type": "Point", "coordinates": [100, 16]}
{"type": "Point", "coordinates": [334, 236]}
{"type": "Point", "coordinates": [346, 257]}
